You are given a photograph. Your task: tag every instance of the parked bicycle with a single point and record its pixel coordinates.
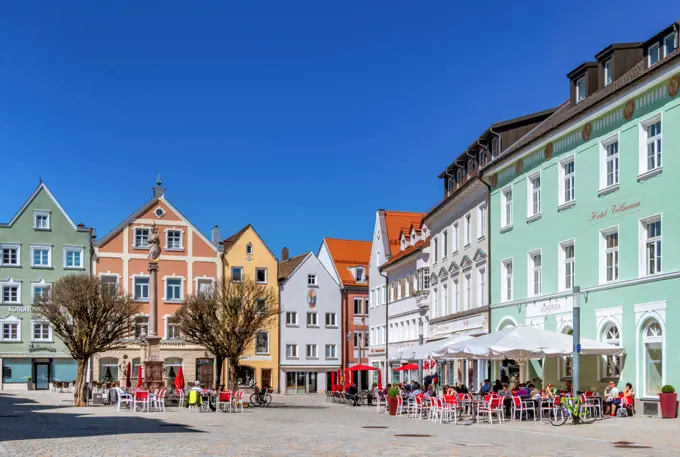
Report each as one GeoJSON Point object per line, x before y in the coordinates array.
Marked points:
{"type": "Point", "coordinates": [565, 408]}
{"type": "Point", "coordinates": [261, 397]}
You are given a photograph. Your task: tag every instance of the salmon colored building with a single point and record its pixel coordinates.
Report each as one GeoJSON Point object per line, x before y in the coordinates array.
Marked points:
{"type": "Point", "coordinates": [347, 261]}
{"type": "Point", "coordinates": [189, 262]}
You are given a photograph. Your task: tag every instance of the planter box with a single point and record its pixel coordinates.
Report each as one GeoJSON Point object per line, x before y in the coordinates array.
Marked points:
{"type": "Point", "coordinates": [650, 407]}
{"type": "Point", "coordinates": [668, 405]}
{"type": "Point", "coordinates": [30, 385]}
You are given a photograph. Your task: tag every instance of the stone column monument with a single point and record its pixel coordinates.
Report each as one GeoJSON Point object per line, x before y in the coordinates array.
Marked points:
{"type": "Point", "coordinates": [153, 364]}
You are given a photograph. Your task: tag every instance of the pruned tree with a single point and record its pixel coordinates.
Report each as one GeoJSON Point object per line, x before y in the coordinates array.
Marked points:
{"type": "Point", "coordinates": [89, 317]}
{"type": "Point", "coordinates": [226, 320]}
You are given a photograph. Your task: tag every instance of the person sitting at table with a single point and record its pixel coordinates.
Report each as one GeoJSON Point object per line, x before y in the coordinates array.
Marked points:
{"type": "Point", "coordinates": [415, 392]}
{"type": "Point", "coordinates": [628, 400]}
{"type": "Point", "coordinates": [612, 400]}
{"type": "Point", "coordinates": [568, 387]}
{"type": "Point", "coordinates": [550, 391]}
{"type": "Point", "coordinates": [497, 387]}
{"type": "Point", "coordinates": [486, 387]}
{"type": "Point", "coordinates": [353, 393]}
{"type": "Point", "coordinates": [372, 394]}
{"type": "Point", "coordinates": [387, 388]}
{"type": "Point", "coordinates": [429, 393]}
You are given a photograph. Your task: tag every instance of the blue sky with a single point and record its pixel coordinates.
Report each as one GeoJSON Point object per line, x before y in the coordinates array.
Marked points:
{"type": "Point", "coordinates": [300, 117]}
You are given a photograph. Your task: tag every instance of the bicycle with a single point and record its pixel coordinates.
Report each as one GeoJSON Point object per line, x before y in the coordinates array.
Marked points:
{"type": "Point", "coordinates": [261, 397]}
{"type": "Point", "coordinates": [567, 408]}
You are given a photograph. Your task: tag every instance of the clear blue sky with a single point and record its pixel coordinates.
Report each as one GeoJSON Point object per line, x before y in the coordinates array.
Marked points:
{"type": "Point", "coordinates": [300, 117]}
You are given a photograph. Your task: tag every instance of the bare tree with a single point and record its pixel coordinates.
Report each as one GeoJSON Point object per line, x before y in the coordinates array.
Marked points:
{"type": "Point", "coordinates": [226, 320]}
{"type": "Point", "coordinates": [89, 317]}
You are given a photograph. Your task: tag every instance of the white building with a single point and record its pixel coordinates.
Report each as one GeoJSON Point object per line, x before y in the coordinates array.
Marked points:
{"type": "Point", "coordinates": [386, 242]}
{"type": "Point", "coordinates": [311, 338]}
{"type": "Point", "coordinates": [408, 276]}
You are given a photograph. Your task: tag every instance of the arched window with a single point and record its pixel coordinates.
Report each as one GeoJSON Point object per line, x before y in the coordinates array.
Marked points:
{"type": "Point", "coordinates": [136, 363]}
{"type": "Point", "coordinates": [171, 366]}
{"type": "Point", "coordinates": [108, 369]}
{"type": "Point", "coordinates": [652, 358]}
{"type": "Point", "coordinates": [611, 363]}
{"type": "Point", "coordinates": [249, 248]}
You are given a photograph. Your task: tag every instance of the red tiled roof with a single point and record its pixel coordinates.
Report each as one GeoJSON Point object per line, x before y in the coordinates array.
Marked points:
{"type": "Point", "coordinates": [406, 252]}
{"type": "Point", "coordinates": [347, 254]}
{"type": "Point", "coordinates": [398, 221]}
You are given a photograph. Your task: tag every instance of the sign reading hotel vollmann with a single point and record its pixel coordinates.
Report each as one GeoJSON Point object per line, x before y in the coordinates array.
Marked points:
{"type": "Point", "coordinates": [616, 208]}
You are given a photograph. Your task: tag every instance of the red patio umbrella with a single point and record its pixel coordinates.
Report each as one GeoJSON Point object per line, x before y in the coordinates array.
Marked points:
{"type": "Point", "coordinates": [333, 386]}
{"type": "Point", "coordinates": [179, 379]}
{"type": "Point", "coordinates": [128, 373]}
{"type": "Point", "coordinates": [140, 381]}
{"type": "Point", "coordinates": [407, 367]}
{"type": "Point", "coordinates": [380, 380]}
{"type": "Point", "coordinates": [361, 367]}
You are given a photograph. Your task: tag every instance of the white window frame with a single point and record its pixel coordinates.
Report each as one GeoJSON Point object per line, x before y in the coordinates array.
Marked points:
{"type": "Point", "coordinates": [312, 351]}
{"type": "Point", "coordinates": [249, 249]}
{"type": "Point", "coordinates": [291, 351]}
{"type": "Point", "coordinates": [169, 325]}
{"type": "Point", "coordinates": [263, 332]}
{"type": "Point", "coordinates": [581, 93]}
{"type": "Point", "coordinates": [41, 247]}
{"type": "Point", "coordinates": [533, 197]}
{"type": "Point", "coordinates": [649, 54]}
{"type": "Point", "coordinates": [666, 51]}
{"type": "Point", "coordinates": [2, 254]}
{"type": "Point", "coordinates": [660, 340]}
{"type": "Point", "coordinates": [605, 187]}
{"type": "Point", "coordinates": [311, 279]}
{"type": "Point", "coordinates": [49, 331]}
{"type": "Point", "coordinates": [134, 238]}
{"type": "Point", "coordinates": [481, 221]}
{"type": "Point", "coordinates": [232, 274]}
{"type": "Point", "coordinates": [608, 68]}
{"type": "Point", "coordinates": [165, 289]}
{"type": "Point", "coordinates": [605, 251]}
{"type": "Point", "coordinates": [445, 244]}
{"type": "Point", "coordinates": [266, 275]}
{"type": "Point", "coordinates": [455, 295]}
{"type": "Point", "coordinates": [167, 239]}
{"type": "Point", "coordinates": [334, 320]}
{"type": "Point", "coordinates": [360, 274]}
{"type": "Point", "coordinates": [565, 265]}
{"type": "Point", "coordinates": [468, 290]}
{"type": "Point", "coordinates": [79, 249]}
{"type": "Point", "coordinates": [565, 202]}
{"type": "Point", "coordinates": [363, 306]}
{"type": "Point", "coordinates": [333, 348]}
{"type": "Point", "coordinates": [606, 361]}
{"type": "Point", "coordinates": [467, 220]}
{"type": "Point", "coordinates": [643, 263]}
{"type": "Point", "coordinates": [644, 170]}
{"type": "Point", "coordinates": [205, 280]}
{"type": "Point", "coordinates": [482, 283]}
{"type": "Point", "coordinates": [506, 208]}
{"type": "Point", "coordinates": [508, 280]}
{"type": "Point", "coordinates": [42, 213]}
{"type": "Point", "coordinates": [533, 269]}
{"type": "Point", "coordinates": [436, 249]}
{"type": "Point", "coordinates": [456, 237]}
{"type": "Point", "coordinates": [2, 292]}
{"type": "Point", "coordinates": [134, 287]}
{"type": "Point", "coordinates": [291, 319]}
{"type": "Point", "coordinates": [312, 319]}
{"type": "Point", "coordinates": [41, 285]}
{"type": "Point", "coordinates": [11, 320]}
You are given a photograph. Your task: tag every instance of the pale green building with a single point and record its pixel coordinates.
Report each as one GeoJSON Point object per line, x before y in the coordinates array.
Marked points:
{"type": "Point", "coordinates": [38, 245]}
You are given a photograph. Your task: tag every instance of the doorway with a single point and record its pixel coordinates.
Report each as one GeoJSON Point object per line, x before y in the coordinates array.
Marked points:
{"type": "Point", "coordinates": [205, 372]}
{"type": "Point", "coordinates": [301, 382]}
{"type": "Point", "coordinates": [266, 378]}
{"type": "Point", "coordinates": [42, 376]}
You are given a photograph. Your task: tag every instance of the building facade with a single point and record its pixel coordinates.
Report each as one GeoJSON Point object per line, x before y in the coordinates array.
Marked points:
{"type": "Point", "coordinates": [407, 273]}
{"type": "Point", "coordinates": [39, 245]}
{"type": "Point", "coordinates": [189, 262]}
{"type": "Point", "coordinates": [247, 256]}
{"type": "Point", "coordinates": [311, 335]}
{"type": "Point", "coordinates": [589, 188]}
{"type": "Point", "coordinates": [386, 242]}
{"type": "Point", "coordinates": [459, 248]}
{"type": "Point", "coordinates": [347, 262]}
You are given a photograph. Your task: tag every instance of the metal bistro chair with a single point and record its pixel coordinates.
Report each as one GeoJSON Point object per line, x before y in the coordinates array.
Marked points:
{"type": "Point", "coordinates": [123, 397]}
{"type": "Point", "coordinates": [223, 402]}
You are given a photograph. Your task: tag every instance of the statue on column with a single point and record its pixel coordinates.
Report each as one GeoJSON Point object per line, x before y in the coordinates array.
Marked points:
{"type": "Point", "coordinates": [154, 244]}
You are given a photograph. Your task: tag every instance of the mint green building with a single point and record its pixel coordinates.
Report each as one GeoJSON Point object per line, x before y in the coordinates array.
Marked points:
{"type": "Point", "coordinates": [587, 198]}
{"type": "Point", "coordinates": [40, 244]}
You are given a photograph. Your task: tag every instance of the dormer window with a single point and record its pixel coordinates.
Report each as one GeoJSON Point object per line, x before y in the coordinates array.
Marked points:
{"type": "Point", "coordinates": [359, 274]}
{"type": "Point", "coordinates": [669, 44]}
{"type": "Point", "coordinates": [459, 175]}
{"type": "Point", "coordinates": [449, 184]}
{"type": "Point", "coordinates": [653, 54]}
{"type": "Point", "coordinates": [580, 89]}
{"type": "Point", "coordinates": [403, 243]}
{"type": "Point", "coordinates": [470, 166]}
{"type": "Point", "coordinates": [494, 148]}
{"type": "Point", "coordinates": [608, 73]}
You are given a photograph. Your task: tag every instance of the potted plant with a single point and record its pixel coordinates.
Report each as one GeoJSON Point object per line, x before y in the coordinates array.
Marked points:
{"type": "Point", "coordinates": [669, 402]}
{"type": "Point", "coordinates": [392, 401]}
{"type": "Point", "coordinates": [29, 383]}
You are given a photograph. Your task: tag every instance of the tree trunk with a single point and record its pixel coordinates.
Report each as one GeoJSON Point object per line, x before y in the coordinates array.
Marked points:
{"type": "Point", "coordinates": [233, 379]}
{"type": "Point", "coordinates": [219, 363]}
{"type": "Point", "coordinates": [80, 390]}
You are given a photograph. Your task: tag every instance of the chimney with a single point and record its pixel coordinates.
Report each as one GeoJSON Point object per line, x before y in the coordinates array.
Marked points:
{"type": "Point", "coordinates": [158, 191]}
{"type": "Point", "coordinates": [284, 254]}
{"type": "Point", "coordinates": [81, 226]}
{"type": "Point", "coordinates": [215, 235]}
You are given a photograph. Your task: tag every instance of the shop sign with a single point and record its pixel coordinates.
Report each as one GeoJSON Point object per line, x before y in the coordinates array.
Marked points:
{"type": "Point", "coordinates": [378, 350]}
{"type": "Point", "coordinates": [173, 344]}
{"type": "Point", "coordinates": [615, 209]}
{"type": "Point", "coordinates": [204, 362]}
{"type": "Point", "coordinates": [20, 309]}
{"type": "Point", "coordinates": [458, 325]}
{"type": "Point", "coordinates": [36, 348]}
{"type": "Point", "coordinates": [547, 307]}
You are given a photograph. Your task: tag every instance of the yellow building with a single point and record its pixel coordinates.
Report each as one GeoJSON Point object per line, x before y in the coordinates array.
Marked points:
{"type": "Point", "coordinates": [247, 256]}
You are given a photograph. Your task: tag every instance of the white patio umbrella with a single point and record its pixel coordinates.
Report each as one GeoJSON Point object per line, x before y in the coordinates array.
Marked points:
{"type": "Point", "coordinates": [522, 343]}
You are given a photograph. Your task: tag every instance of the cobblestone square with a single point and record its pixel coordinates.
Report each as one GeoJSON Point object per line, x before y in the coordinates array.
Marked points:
{"type": "Point", "coordinates": [40, 424]}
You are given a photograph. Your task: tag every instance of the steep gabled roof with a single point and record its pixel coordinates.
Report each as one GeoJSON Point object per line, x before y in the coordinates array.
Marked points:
{"type": "Point", "coordinates": [35, 193]}
{"type": "Point", "coordinates": [231, 241]}
{"type": "Point", "coordinates": [287, 267]}
{"type": "Point", "coordinates": [347, 254]}
{"type": "Point", "coordinates": [419, 246]}
{"type": "Point", "coordinates": [398, 221]}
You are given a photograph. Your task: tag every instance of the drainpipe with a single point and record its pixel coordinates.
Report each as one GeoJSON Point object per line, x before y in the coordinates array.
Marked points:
{"type": "Point", "coordinates": [488, 256]}
{"type": "Point", "coordinates": [278, 356]}
{"type": "Point", "coordinates": [387, 333]}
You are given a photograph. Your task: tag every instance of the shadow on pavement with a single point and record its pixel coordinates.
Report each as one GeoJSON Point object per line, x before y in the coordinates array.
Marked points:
{"type": "Point", "coordinates": [25, 419]}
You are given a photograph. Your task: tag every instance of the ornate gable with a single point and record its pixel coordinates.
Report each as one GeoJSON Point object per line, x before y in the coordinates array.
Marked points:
{"type": "Point", "coordinates": [443, 273]}
{"type": "Point", "coordinates": [454, 267]}
{"type": "Point", "coordinates": [480, 256]}
{"type": "Point", "coordinates": [465, 262]}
